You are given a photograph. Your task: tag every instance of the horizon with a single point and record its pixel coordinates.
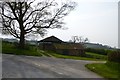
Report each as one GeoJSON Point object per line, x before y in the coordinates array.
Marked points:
{"type": "Point", "coordinates": [60, 39]}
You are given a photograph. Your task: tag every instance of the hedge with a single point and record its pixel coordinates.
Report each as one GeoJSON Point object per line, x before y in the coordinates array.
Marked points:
{"type": "Point", "coordinates": [98, 51]}
{"type": "Point", "coordinates": [114, 56]}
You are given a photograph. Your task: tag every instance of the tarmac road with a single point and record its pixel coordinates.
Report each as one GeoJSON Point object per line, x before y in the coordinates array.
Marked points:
{"type": "Point", "coordinates": [14, 66]}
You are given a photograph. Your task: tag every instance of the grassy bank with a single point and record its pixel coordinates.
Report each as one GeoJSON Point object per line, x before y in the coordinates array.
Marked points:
{"type": "Point", "coordinates": [58, 55]}
{"type": "Point", "coordinates": [10, 48]}
{"type": "Point", "coordinates": [109, 70]}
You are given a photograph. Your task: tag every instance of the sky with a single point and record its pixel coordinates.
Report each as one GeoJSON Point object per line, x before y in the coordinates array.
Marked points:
{"type": "Point", "coordinates": [95, 19]}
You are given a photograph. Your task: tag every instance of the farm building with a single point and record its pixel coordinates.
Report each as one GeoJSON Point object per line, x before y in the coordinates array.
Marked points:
{"type": "Point", "coordinates": [57, 45]}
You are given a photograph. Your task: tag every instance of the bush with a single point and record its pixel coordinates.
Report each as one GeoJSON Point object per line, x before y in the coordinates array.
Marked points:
{"type": "Point", "coordinates": [114, 56]}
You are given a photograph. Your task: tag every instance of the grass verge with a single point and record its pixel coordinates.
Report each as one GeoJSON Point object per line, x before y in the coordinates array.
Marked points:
{"type": "Point", "coordinates": [10, 48]}
{"type": "Point", "coordinates": [109, 70]}
{"type": "Point", "coordinates": [57, 55]}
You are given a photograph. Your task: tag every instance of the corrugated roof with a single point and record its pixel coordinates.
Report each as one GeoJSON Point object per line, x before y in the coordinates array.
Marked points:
{"type": "Point", "coordinates": [51, 39]}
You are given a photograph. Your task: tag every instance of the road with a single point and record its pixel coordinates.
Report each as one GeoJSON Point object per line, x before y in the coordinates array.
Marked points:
{"type": "Point", "coordinates": [14, 66]}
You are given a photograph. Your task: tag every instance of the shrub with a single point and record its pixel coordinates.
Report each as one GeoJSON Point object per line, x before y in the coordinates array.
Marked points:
{"type": "Point", "coordinates": [114, 56]}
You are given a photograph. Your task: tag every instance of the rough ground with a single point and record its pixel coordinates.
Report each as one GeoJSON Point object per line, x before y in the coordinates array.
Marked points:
{"type": "Point", "coordinates": [14, 66]}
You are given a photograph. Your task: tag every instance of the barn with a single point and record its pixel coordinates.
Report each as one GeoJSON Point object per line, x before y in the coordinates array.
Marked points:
{"type": "Point", "coordinates": [55, 44]}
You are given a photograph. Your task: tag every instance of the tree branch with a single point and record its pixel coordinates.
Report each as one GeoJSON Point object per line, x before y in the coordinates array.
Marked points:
{"type": "Point", "coordinates": [13, 10]}
{"type": "Point", "coordinates": [8, 17]}
{"type": "Point", "coordinates": [36, 11]}
{"type": "Point", "coordinates": [27, 7]}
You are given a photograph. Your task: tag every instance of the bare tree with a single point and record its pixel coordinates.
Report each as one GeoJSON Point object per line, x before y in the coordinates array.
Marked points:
{"type": "Point", "coordinates": [82, 40]}
{"type": "Point", "coordinates": [21, 18]}
{"type": "Point", "coordinates": [74, 39]}
{"type": "Point", "coordinates": [79, 39]}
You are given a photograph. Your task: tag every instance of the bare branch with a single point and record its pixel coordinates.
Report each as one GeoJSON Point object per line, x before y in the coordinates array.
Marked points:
{"type": "Point", "coordinates": [13, 9]}
{"type": "Point", "coordinates": [27, 6]}
{"type": "Point", "coordinates": [38, 10]}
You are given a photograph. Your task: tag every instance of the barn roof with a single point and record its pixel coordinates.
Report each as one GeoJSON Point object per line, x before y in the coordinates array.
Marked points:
{"type": "Point", "coordinates": [51, 39]}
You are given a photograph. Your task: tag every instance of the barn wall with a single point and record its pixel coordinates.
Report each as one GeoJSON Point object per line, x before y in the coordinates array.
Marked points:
{"type": "Point", "coordinates": [46, 46]}
{"type": "Point", "coordinates": [72, 52]}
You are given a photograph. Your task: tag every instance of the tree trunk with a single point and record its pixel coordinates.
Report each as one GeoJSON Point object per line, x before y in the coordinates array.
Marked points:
{"type": "Point", "coordinates": [22, 35]}
{"type": "Point", "coordinates": [22, 40]}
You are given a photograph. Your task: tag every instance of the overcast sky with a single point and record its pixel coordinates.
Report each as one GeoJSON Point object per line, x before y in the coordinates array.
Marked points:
{"type": "Point", "coordinates": [95, 19]}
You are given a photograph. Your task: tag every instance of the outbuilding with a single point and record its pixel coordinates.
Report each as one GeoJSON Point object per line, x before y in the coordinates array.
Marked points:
{"type": "Point", "coordinates": [55, 44]}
